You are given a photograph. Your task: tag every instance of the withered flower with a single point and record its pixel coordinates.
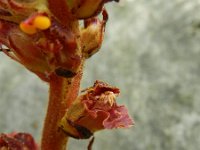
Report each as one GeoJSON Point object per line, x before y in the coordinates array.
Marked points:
{"type": "Point", "coordinates": [95, 110]}
{"type": "Point", "coordinates": [17, 141]}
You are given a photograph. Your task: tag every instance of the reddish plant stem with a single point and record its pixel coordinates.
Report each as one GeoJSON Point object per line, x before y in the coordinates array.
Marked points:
{"type": "Point", "coordinates": [62, 93]}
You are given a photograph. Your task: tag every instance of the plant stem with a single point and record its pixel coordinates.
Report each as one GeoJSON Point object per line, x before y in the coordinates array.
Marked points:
{"type": "Point", "coordinates": [62, 93]}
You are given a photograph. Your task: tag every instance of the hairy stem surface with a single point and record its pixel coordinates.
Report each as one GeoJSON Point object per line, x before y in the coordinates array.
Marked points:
{"type": "Point", "coordinates": [62, 93]}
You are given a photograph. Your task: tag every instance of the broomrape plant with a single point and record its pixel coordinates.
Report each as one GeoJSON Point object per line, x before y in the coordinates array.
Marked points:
{"type": "Point", "coordinates": [47, 38]}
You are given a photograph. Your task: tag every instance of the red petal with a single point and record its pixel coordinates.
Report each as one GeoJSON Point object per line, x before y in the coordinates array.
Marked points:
{"type": "Point", "coordinates": [118, 118]}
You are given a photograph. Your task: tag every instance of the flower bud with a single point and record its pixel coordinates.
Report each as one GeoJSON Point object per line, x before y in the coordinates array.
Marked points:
{"type": "Point", "coordinates": [92, 34]}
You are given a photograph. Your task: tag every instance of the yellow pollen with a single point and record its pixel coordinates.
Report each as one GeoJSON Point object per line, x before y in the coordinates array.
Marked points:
{"type": "Point", "coordinates": [29, 29]}
{"type": "Point", "coordinates": [42, 22]}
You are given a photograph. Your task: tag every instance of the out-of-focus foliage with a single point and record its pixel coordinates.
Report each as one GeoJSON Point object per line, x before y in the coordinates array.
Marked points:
{"type": "Point", "coordinates": [151, 52]}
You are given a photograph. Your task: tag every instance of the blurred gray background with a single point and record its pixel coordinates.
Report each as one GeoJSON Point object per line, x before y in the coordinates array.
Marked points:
{"type": "Point", "coordinates": [152, 53]}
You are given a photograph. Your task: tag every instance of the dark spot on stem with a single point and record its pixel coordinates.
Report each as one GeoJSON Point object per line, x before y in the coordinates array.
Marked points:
{"type": "Point", "coordinates": [69, 82]}
{"type": "Point", "coordinates": [65, 73]}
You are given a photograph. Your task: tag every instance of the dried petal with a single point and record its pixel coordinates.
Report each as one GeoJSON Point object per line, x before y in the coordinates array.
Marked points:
{"type": "Point", "coordinates": [118, 118]}
{"type": "Point", "coordinates": [95, 110]}
{"type": "Point", "coordinates": [17, 141]}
